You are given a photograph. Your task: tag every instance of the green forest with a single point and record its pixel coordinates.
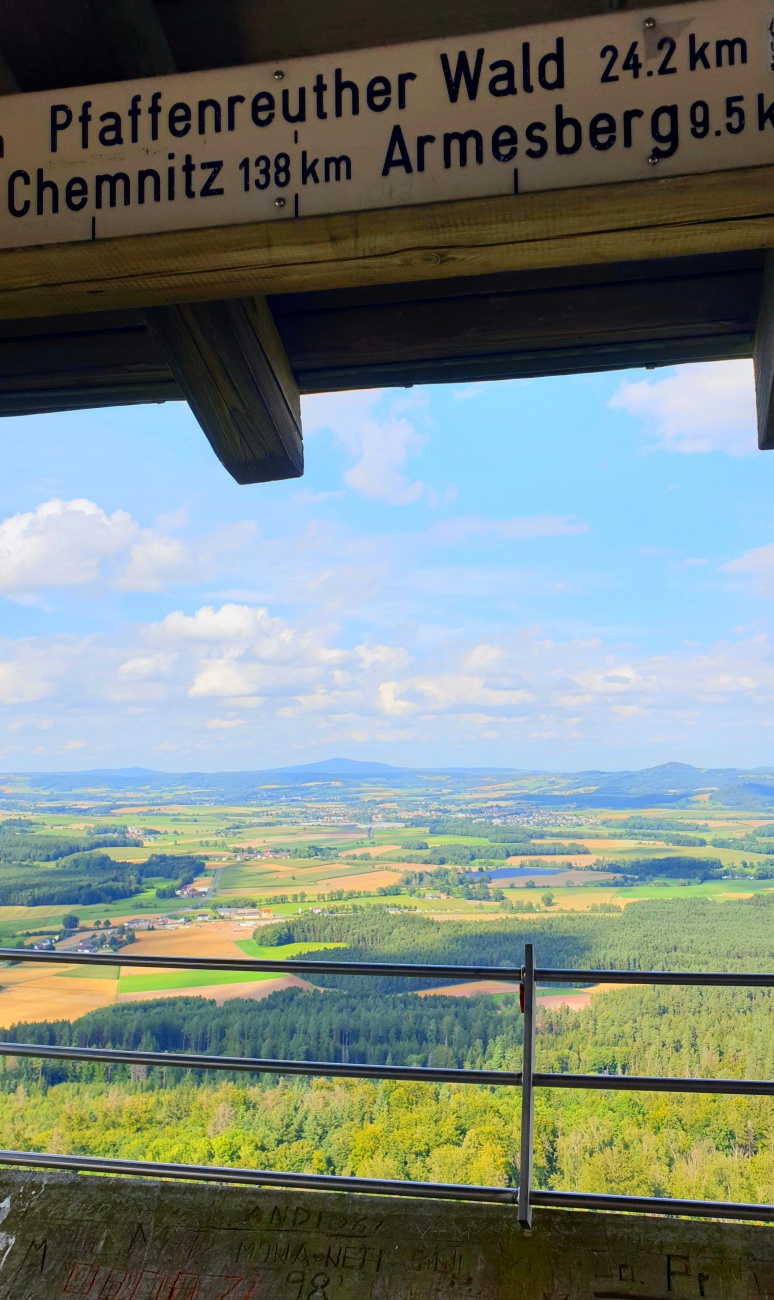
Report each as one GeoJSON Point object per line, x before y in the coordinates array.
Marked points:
{"type": "Point", "coordinates": [691, 934]}
{"type": "Point", "coordinates": [48, 870]}
{"type": "Point", "coordinates": [652, 1143]}
{"type": "Point", "coordinates": [290, 1025]}
{"type": "Point", "coordinates": [655, 1144]}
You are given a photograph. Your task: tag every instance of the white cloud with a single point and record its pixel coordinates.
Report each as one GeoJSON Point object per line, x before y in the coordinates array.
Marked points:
{"type": "Point", "coordinates": [383, 452]}
{"type": "Point", "coordinates": [452, 531]}
{"type": "Point", "coordinates": [153, 563]}
{"type": "Point", "coordinates": [759, 564]}
{"type": "Point", "coordinates": [214, 686]}
{"type": "Point", "coordinates": [483, 656]}
{"type": "Point", "coordinates": [383, 656]}
{"type": "Point", "coordinates": [77, 544]}
{"type": "Point", "coordinates": [157, 561]}
{"type": "Point", "coordinates": [224, 679]}
{"type": "Point", "coordinates": [143, 668]}
{"type": "Point", "coordinates": [373, 427]}
{"type": "Point", "coordinates": [447, 692]}
{"type": "Point", "coordinates": [229, 623]}
{"type": "Point", "coordinates": [703, 407]}
{"type": "Point", "coordinates": [60, 544]}
{"type": "Point", "coordinates": [22, 682]}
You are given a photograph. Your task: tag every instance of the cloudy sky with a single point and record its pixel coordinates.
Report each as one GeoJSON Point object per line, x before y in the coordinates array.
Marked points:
{"type": "Point", "coordinates": [556, 573]}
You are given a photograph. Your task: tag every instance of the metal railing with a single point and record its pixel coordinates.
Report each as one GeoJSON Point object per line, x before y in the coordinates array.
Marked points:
{"type": "Point", "coordinates": [526, 978]}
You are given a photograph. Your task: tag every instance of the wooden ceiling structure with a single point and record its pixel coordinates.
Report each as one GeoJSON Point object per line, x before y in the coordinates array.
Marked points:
{"type": "Point", "coordinates": [241, 320]}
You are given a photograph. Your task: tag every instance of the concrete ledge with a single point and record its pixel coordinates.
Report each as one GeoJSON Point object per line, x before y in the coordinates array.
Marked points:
{"type": "Point", "coordinates": [94, 1238]}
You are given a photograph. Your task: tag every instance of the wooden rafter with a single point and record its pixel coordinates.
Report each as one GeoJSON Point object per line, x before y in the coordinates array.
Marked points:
{"type": "Point", "coordinates": [225, 357]}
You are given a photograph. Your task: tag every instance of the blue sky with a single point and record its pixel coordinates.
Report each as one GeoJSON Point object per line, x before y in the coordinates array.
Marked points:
{"type": "Point", "coordinates": [558, 573]}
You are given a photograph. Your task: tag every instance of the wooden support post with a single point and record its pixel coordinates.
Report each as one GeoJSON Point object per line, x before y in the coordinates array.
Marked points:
{"type": "Point", "coordinates": [231, 366]}
{"type": "Point", "coordinates": [226, 356]}
{"type": "Point", "coordinates": [763, 359]}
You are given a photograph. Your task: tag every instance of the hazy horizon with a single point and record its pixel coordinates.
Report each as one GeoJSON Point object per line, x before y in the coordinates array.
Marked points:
{"type": "Point", "coordinates": [560, 574]}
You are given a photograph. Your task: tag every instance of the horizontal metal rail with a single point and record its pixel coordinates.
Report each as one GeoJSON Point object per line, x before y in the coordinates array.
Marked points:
{"type": "Point", "coordinates": [259, 1177]}
{"type": "Point", "coordinates": [719, 979]}
{"type": "Point", "coordinates": [410, 1073]}
{"type": "Point", "coordinates": [653, 1205]}
{"type": "Point", "coordinates": [258, 1065]}
{"type": "Point", "coordinates": [388, 1186]}
{"type": "Point", "coordinates": [428, 1074]}
{"type": "Point", "coordinates": [655, 1083]}
{"type": "Point", "coordinates": [243, 966]}
{"type": "Point", "coordinates": [398, 970]}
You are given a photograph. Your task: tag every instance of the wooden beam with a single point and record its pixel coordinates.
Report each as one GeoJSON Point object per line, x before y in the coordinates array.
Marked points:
{"type": "Point", "coordinates": [675, 216]}
{"type": "Point", "coordinates": [133, 38]}
{"type": "Point", "coordinates": [74, 362]}
{"type": "Point", "coordinates": [525, 323]}
{"type": "Point", "coordinates": [225, 357]}
{"type": "Point", "coordinates": [763, 359]}
{"type": "Point", "coordinates": [231, 366]}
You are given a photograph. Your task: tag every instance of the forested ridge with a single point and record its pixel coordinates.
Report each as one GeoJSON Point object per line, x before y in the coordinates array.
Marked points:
{"type": "Point", "coordinates": [653, 1144]}
{"type": "Point", "coordinates": [48, 870]}
{"type": "Point", "coordinates": [463, 854]}
{"type": "Point", "coordinates": [690, 934]}
{"type": "Point", "coordinates": [710, 1147]}
{"type": "Point", "coordinates": [25, 846]}
{"type": "Point", "coordinates": [291, 1025]}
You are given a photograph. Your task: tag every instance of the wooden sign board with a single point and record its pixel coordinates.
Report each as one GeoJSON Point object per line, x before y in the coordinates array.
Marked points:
{"type": "Point", "coordinates": [616, 97]}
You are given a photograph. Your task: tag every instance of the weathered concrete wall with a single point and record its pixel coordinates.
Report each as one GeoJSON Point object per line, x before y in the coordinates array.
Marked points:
{"type": "Point", "coordinates": [119, 1239]}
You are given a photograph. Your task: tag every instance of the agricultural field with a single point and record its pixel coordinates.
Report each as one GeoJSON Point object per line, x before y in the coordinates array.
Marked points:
{"type": "Point", "coordinates": [35, 992]}
{"type": "Point", "coordinates": [218, 874]}
{"type": "Point", "coordinates": [598, 888]}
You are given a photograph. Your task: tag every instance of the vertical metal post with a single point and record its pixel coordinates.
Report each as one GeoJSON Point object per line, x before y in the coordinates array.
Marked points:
{"type": "Point", "coordinates": [527, 1091]}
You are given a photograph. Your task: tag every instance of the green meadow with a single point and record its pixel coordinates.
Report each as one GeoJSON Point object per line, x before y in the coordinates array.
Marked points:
{"type": "Point", "coordinates": [164, 980]}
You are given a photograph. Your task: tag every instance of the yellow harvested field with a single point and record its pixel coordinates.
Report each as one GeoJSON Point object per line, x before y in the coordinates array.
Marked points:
{"type": "Point", "coordinates": [475, 912]}
{"type": "Point", "coordinates": [573, 999]}
{"type": "Point", "coordinates": [209, 939]}
{"type": "Point", "coordinates": [30, 992]}
{"type": "Point", "coordinates": [584, 899]}
{"type": "Point", "coordinates": [581, 998]}
{"type": "Point", "coordinates": [369, 880]}
{"type": "Point", "coordinates": [373, 851]}
{"type": "Point", "coordinates": [471, 990]}
{"type": "Point", "coordinates": [52, 997]}
{"type": "Point", "coordinates": [580, 860]}
{"type": "Point", "coordinates": [221, 993]}
{"type": "Point", "coordinates": [400, 867]}
{"type": "Point", "coordinates": [168, 808]}
{"type": "Point", "coordinates": [29, 913]}
{"type": "Point", "coordinates": [614, 846]}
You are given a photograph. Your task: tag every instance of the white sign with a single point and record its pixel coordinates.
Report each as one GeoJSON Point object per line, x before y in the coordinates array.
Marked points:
{"type": "Point", "coordinates": [623, 96]}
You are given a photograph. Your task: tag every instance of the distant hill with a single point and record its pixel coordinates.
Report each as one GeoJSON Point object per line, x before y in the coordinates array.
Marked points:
{"type": "Point", "coordinates": [341, 767]}
{"type": "Point", "coordinates": [665, 785]}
